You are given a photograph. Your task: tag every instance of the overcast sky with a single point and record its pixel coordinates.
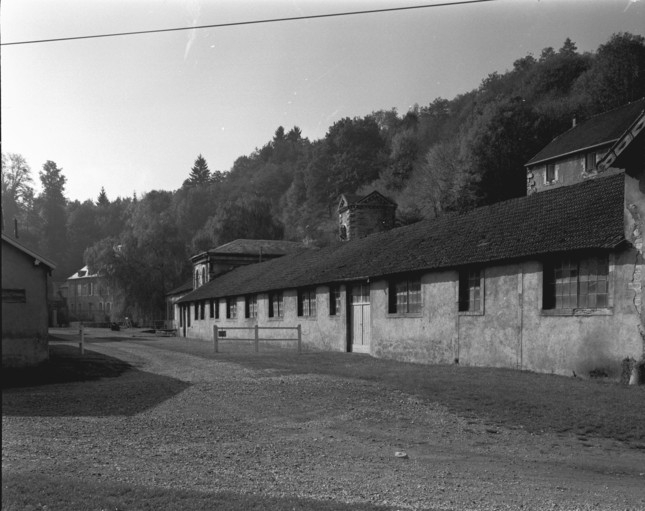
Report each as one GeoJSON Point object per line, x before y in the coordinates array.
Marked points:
{"type": "Point", "coordinates": [132, 113]}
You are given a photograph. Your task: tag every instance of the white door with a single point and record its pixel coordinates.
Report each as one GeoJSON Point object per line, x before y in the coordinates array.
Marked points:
{"type": "Point", "coordinates": [361, 331]}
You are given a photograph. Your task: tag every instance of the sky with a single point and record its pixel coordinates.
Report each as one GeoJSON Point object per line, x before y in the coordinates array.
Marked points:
{"type": "Point", "coordinates": [132, 113]}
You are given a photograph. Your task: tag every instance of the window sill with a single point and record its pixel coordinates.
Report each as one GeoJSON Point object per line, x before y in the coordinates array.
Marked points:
{"type": "Point", "coordinates": [471, 313]}
{"type": "Point", "coordinates": [605, 311]}
{"type": "Point", "coordinates": [403, 315]}
{"type": "Point", "coordinates": [276, 318]}
{"type": "Point", "coordinates": [310, 318]}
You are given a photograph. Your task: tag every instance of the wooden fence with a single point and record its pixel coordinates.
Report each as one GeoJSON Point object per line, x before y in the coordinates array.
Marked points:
{"type": "Point", "coordinates": [217, 334]}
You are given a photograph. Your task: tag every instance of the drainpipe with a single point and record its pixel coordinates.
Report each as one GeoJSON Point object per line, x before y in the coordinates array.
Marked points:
{"type": "Point", "coordinates": [520, 295]}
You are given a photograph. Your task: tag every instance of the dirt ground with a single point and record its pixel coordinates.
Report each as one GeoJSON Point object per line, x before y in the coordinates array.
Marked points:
{"type": "Point", "coordinates": [182, 421]}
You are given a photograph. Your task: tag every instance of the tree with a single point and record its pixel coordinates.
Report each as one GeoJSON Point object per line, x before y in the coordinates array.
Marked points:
{"type": "Point", "coordinates": [102, 199]}
{"type": "Point", "coordinates": [17, 189]}
{"type": "Point", "coordinates": [52, 211]}
{"type": "Point", "coordinates": [199, 174]}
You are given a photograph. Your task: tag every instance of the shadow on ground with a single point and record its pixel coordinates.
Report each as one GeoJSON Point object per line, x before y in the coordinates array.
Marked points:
{"type": "Point", "coordinates": [69, 384]}
{"type": "Point", "coordinates": [24, 491]}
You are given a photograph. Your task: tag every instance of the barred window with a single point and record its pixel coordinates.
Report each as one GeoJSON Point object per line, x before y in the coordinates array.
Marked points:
{"type": "Point", "coordinates": [404, 296]}
{"type": "Point", "coordinates": [307, 302]}
{"type": "Point", "coordinates": [571, 283]}
{"type": "Point", "coordinates": [470, 290]}
{"type": "Point", "coordinates": [276, 305]}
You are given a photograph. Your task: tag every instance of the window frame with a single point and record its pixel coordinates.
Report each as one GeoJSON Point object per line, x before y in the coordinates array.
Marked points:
{"type": "Point", "coordinates": [335, 305]}
{"type": "Point", "coordinates": [307, 303]}
{"type": "Point", "coordinates": [408, 287]}
{"type": "Point", "coordinates": [251, 306]}
{"type": "Point", "coordinates": [547, 168]}
{"type": "Point", "coordinates": [231, 307]}
{"type": "Point", "coordinates": [276, 297]}
{"type": "Point", "coordinates": [549, 287]}
{"type": "Point", "coordinates": [594, 156]}
{"type": "Point", "coordinates": [212, 308]}
{"type": "Point", "coordinates": [471, 291]}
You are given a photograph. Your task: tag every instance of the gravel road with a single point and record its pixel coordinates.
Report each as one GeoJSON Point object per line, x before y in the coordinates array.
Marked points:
{"type": "Point", "coordinates": [214, 426]}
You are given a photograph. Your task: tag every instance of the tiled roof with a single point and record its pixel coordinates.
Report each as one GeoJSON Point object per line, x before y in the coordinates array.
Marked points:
{"type": "Point", "coordinates": [183, 288]}
{"type": "Point", "coordinates": [268, 247]}
{"type": "Point", "coordinates": [588, 215]}
{"type": "Point", "coordinates": [601, 129]}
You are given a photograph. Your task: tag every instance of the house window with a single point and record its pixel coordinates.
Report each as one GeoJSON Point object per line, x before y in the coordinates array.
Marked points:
{"type": "Point", "coordinates": [203, 275]}
{"type": "Point", "coordinates": [404, 297]}
{"type": "Point", "coordinates": [108, 307]}
{"type": "Point", "coordinates": [590, 162]}
{"type": "Point", "coordinates": [334, 300]}
{"type": "Point", "coordinates": [196, 284]}
{"type": "Point", "coordinates": [307, 302]}
{"type": "Point", "coordinates": [231, 308]}
{"type": "Point", "coordinates": [550, 175]}
{"type": "Point", "coordinates": [251, 306]}
{"type": "Point", "coordinates": [202, 307]}
{"type": "Point", "coordinates": [100, 306]}
{"type": "Point", "coordinates": [470, 290]}
{"type": "Point", "coordinates": [276, 305]}
{"type": "Point", "coordinates": [571, 283]}
{"type": "Point", "coordinates": [216, 308]}
{"type": "Point", "coordinates": [212, 309]}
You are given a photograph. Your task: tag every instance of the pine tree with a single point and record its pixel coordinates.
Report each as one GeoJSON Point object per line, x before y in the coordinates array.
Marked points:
{"type": "Point", "coordinates": [103, 198]}
{"type": "Point", "coordinates": [199, 174]}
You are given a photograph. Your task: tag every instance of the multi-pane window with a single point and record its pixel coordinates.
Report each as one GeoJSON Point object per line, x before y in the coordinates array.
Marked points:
{"type": "Point", "coordinates": [571, 283]}
{"type": "Point", "coordinates": [251, 306]}
{"type": "Point", "coordinates": [470, 290]}
{"type": "Point", "coordinates": [307, 302]}
{"type": "Point", "coordinates": [334, 300]}
{"type": "Point", "coordinates": [550, 173]}
{"type": "Point", "coordinates": [276, 305]}
{"type": "Point", "coordinates": [231, 308]}
{"type": "Point", "coordinates": [404, 296]}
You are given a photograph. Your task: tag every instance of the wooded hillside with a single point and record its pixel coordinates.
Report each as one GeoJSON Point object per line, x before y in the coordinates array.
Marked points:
{"type": "Point", "coordinates": [449, 155]}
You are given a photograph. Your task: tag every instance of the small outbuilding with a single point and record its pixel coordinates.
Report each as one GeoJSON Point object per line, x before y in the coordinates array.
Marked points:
{"type": "Point", "coordinates": [25, 314]}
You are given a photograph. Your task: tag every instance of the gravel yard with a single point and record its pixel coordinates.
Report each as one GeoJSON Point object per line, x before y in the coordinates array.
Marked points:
{"type": "Point", "coordinates": [186, 429]}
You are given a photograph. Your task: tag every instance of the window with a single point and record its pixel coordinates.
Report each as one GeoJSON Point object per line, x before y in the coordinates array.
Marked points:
{"type": "Point", "coordinates": [307, 302]}
{"type": "Point", "coordinates": [216, 308]}
{"type": "Point", "coordinates": [212, 309]}
{"type": "Point", "coordinates": [196, 283]}
{"type": "Point", "coordinates": [550, 176]}
{"type": "Point", "coordinates": [108, 307]}
{"type": "Point", "coordinates": [100, 306]}
{"type": "Point", "coordinates": [334, 300]}
{"type": "Point", "coordinates": [196, 310]}
{"type": "Point", "coordinates": [251, 306]}
{"type": "Point", "coordinates": [276, 305]}
{"type": "Point", "coordinates": [202, 307]}
{"type": "Point", "coordinates": [571, 283]}
{"type": "Point", "coordinates": [404, 297]}
{"type": "Point", "coordinates": [231, 308]}
{"type": "Point", "coordinates": [590, 162]}
{"type": "Point", "coordinates": [470, 290]}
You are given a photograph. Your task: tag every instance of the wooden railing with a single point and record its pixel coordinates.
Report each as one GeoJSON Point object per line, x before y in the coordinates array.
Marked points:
{"type": "Point", "coordinates": [217, 334]}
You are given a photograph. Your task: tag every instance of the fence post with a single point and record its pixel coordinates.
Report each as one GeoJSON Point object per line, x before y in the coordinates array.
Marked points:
{"type": "Point", "coordinates": [257, 339]}
{"type": "Point", "coordinates": [82, 343]}
{"type": "Point", "coordinates": [215, 337]}
{"type": "Point", "coordinates": [299, 339]}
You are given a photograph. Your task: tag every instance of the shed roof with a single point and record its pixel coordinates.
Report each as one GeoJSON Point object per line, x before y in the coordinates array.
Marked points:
{"type": "Point", "coordinates": [31, 253]}
{"type": "Point", "coordinates": [254, 247]}
{"type": "Point", "coordinates": [588, 215]}
{"type": "Point", "coordinates": [596, 131]}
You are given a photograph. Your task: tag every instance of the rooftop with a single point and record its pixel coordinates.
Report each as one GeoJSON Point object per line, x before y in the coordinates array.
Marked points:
{"type": "Point", "coordinates": [550, 222]}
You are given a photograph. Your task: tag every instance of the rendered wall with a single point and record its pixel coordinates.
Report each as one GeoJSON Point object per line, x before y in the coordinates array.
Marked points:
{"type": "Point", "coordinates": [24, 325]}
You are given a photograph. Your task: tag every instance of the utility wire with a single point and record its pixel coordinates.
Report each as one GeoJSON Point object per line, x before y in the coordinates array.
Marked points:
{"type": "Point", "coordinates": [240, 23]}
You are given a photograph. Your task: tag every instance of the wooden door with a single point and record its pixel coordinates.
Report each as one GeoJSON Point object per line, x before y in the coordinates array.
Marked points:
{"type": "Point", "coordinates": [360, 318]}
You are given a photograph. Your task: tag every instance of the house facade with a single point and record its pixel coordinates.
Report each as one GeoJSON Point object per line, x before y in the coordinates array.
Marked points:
{"type": "Point", "coordinates": [552, 282]}
{"type": "Point", "coordinates": [90, 298]}
{"type": "Point", "coordinates": [25, 313]}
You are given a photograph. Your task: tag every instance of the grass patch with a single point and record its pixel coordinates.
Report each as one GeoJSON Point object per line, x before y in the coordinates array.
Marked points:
{"type": "Point", "coordinates": [22, 492]}
{"type": "Point", "coordinates": [535, 402]}
{"type": "Point", "coordinates": [65, 365]}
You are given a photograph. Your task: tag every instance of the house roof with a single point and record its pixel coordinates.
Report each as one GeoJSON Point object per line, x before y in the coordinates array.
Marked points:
{"type": "Point", "coordinates": [183, 288]}
{"type": "Point", "coordinates": [596, 131]}
{"type": "Point", "coordinates": [588, 215]}
{"type": "Point", "coordinates": [375, 197]}
{"type": "Point", "coordinates": [253, 247]}
{"type": "Point", "coordinates": [83, 273]}
{"type": "Point", "coordinates": [37, 257]}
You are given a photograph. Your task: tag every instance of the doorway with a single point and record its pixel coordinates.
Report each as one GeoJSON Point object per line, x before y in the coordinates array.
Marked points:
{"type": "Point", "coordinates": [359, 318]}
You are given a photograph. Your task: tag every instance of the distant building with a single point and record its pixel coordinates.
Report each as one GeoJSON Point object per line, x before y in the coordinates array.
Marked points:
{"type": "Point", "coordinates": [362, 216]}
{"type": "Point", "coordinates": [90, 298]}
{"type": "Point", "coordinates": [25, 276]}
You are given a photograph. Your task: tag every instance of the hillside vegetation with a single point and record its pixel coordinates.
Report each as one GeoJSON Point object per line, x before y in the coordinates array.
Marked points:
{"type": "Point", "coordinates": [449, 155]}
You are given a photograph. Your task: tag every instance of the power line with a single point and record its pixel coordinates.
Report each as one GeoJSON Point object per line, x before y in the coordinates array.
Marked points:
{"type": "Point", "coordinates": [240, 23]}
